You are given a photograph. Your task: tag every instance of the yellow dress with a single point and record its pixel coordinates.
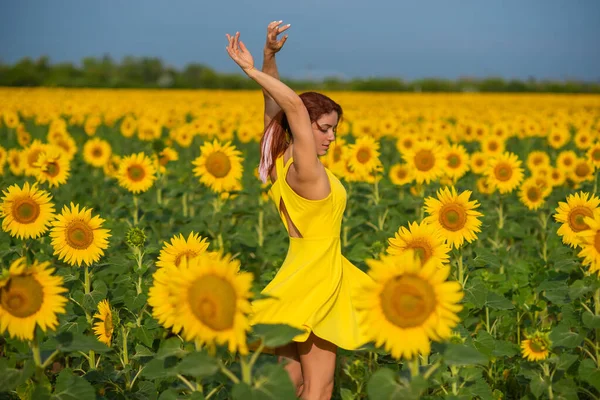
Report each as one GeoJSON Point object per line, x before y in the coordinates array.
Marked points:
{"type": "Point", "coordinates": [312, 289]}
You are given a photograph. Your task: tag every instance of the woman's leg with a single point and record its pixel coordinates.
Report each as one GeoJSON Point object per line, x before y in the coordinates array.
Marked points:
{"type": "Point", "coordinates": [317, 357]}
{"type": "Point", "coordinates": [288, 355]}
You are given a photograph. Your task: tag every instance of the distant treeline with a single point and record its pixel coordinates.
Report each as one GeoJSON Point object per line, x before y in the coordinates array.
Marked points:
{"type": "Point", "coordinates": [148, 72]}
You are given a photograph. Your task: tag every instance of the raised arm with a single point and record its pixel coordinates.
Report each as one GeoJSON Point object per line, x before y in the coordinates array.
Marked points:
{"type": "Point", "coordinates": [272, 46]}
{"type": "Point", "coordinates": [306, 162]}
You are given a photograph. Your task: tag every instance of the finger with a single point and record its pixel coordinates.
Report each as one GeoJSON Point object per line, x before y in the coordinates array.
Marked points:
{"type": "Point", "coordinates": [243, 47]}
{"type": "Point", "coordinates": [283, 28]}
{"type": "Point", "coordinates": [234, 41]}
{"type": "Point", "coordinates": [283, 39]}
{"type": "Point", "coordinates": [274, 24]}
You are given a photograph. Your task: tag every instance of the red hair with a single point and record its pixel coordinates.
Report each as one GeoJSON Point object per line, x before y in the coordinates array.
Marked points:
{"type": "Point", "coordinates": [277, 136]}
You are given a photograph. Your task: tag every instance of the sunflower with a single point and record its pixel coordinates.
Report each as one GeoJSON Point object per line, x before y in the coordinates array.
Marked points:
{"type": "Point", "coordinates": [53, 167]}
{"type": "Point", "coordinates": [167, 155]}
{"type": "Point", "coordinates": [484, 187]}
{"type": "Point", "coordinates": [590, 243]}
{"type": "Point", "coordinates": [454, 215]}
{"type": "Point", "coordinates": [23, 137]}
{"type": "Point", "coordinates": [11, 118]}
{"type": "Point", "coordinates": [424, 239]}
{"type": "Point", "coordinates": [405, 143]}
{"type": "Point", "coordinates": [27, 211]}
{"type": "Point", "coordinates": [504, 172]}
{"type": "Point", "coordinates": [583, 139]}
{"type": "Point", "coordinates": [105, 327]}
{"type": "Point", "coordinates": [401, 174]}
{"type": "Point", "coordinates": [572, 216]}
{"type": "Point", "coordinates": [30, 296]}
{"type": "Point", "coordinates": [478, 162]}
{"type": "Point", "coordinates": [558, 137]}
{"type": "Point", "coordinates": [96, 152]}
{"type": "Point", "coordinates": [536, 347]}
{"type": "Point", "coordinates": [78, 237]}
{"type": "Point", "coordinates": [136, 173]}
{"type": "Point", "coordinates": [457, 160]}
{"type": "Point", "coordinates": [209, 300]}
{"type": "Point", "coordinates": [557, 177]}
{"type": "Point", "coordinates": [407, 304]}
{"type": "Point", "coordinates": [363, 155]}
{"type": "Point", "coordinates": [180, 248]}
{"type": "Point", "coordinates": [533, 195]}
{"type": "Point", "coordinates": [583, 171]}
{"type": "Point", "coordinates": [67, 144]}
{"type": "Point", "coordinates": [128, 126]}
{"type": "Point", "coordinates": [593, 154]}
{"type": "Point", "coordinates": [161, 297]}
{"type": "Point", "coordinates": [537, 159]}
{"type": "Point", "coordinates": [31, 155]}
{"type": "Point", "coordinates": [566, 160]}
{"type": "Point", "coordinates": [492, 146]}
{"type": "Point", "coordinates": [16, 163]}
{"type": "Point", "coordinates": [427, 159]}
{"type": "Point", "coordinates": [219, 166]}
{"type": "Point", "coordinates": [111, 168]}
{"type": "Point", "coordinates": [3, 158]}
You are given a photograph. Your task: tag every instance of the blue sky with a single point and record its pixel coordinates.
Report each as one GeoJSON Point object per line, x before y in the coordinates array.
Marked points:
{"type": "Point", "coordinates": [414, 39]}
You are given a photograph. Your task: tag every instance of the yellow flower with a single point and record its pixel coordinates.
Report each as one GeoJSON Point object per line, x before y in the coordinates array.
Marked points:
{"type": "Point", "coordinates": [484, 187]}
{"type": "Point", "coordinates": [208, 298]}
{"type": "Point", "coordinates": [219, 166]}
{"type": "Point", "coordinates": [427, 159]}
{"type": "Point", "coordinates": [30, 296]}
{"type": "Point", "coordinates": [424, 239]}
{"type": "Point", "coordinates": [401, 174]}
{"type": "Point", "coordinates": [566, 160]}
{"type": "Point", "coordinates": [454, 215]}
{"type": "Point", "coordinates": [557, 177]}
{"type": "Point", "coordinates": [405, 143]}
{"type": "Point", "coordinates": [128, 126]}
{"type": "Point", "coordinates": [111, 168]}
{"type": "Point", "coordinates": [180, 248]}
{"type": "Point", "coordinates": [537, 159]}
{"type": "Point", "coordinates": [536, 347]}
{"type": "Point", "coordinates": [583, 171]}
{"type": "Point", "coordinates": [96, 152]}
{"type": "Point", "coordinates": [559, 137]}
{"type": "Point", "coordinates": [27, 211]}
{"type": "Point", "coordinates": [11, 118]}
{"type": "Point", "coordinates": [504, 172]}
{"type": "Point", "coordinates": [478, 162]}
{"type": "Point", "coordinates": [583, 139]}
{"type": "Point", "coordinates": [104, 328]}
{"type": "Point", "coordinates": [77, 236]}
{"type": "Point", "coordinates": [31, 155]}
{"type": "Point", "coordinates": [53, 167]}
{"type": "Point", "coordinates": [593, 154]}
{"type": "Point", "coordinates": [533, 195]}
{"type": "Point", "coordinates": [16, 164]}
{"type": "Point", "coordinates": [407, 304]}
{"type": "Point", "coordinates": [492, 146]}
{"type": "Point", "coordinates": [590, 243]}
{"type": "Point", "coordinates": [363, 155]}
{"type": "Point", "coordinates": [572, 216]}
{"type": "Point", "coordinates": [457, 160]}
{"type": "Point", "coordinates": [136, 173]}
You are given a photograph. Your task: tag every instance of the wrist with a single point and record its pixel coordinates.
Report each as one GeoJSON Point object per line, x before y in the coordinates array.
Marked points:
{"type": "Point", "coordinates": [269, 53]}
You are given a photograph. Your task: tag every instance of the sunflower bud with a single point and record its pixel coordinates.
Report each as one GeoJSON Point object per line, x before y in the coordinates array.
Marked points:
{"type": "Point", "coordinates": [135, 237]}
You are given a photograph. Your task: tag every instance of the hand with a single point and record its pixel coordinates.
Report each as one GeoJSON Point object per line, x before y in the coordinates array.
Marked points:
{"type": "Point", "coordinates": [239, 53]}
{"type": "Point", "coordinates": [273, 29]}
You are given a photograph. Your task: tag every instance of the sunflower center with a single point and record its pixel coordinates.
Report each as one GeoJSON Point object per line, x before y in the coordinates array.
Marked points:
{"type": "Point", "coordinates": [108, 325]}
{"type": "Point", "coordinates": [22, 296]}
{"type": "Point", "coordinates": [363, 155]}
{"type": "Point", "coordinates": [79, 235]}
{"type": "Point", "coordinates": [453, 217]}
{"type": "Point", "coordinates": [533, 194]}
{"type": "Point", "coordinates": [538, 345]}
{"type": "Point", "coordinates": [582, 170]}
{"type": "Point", "coordinates": [213, 300]}
{"type": "Point", "coordinates": [33, 157]}
{"type": "Point", "coordinates": [493, 146]}
{"type": "Point", "coordinates": [453, 161]}
{"type": "Point", "coordinates": [97, 152]}
{"type": "Point", "coordinates": [136, 173]}
{"type": "Point", "coordinates": [52, 169]}
{"type": "Point", "coordinates": [576, 218]}
{"type": "Point", "coordinates": [596, 155]}
{"type": "Point", "coordinates": [218, 164]}
{"type": "Point", "coordinates": [424, 160]}
{"type": "Point", "coordinates": [401, 173]}
{"type": "Point", "coordinates": [503, 172]}
{"type": "Point", "coordinates": [407, 144]}
{"type": "Point", "coordinates": [337, 154]}
{"type": "Point", "coordinates": [567, 161]}
{"type": "Point", "coordinates": [25, 211]}
{"type": "Point", "coordinates": [407, 301]}
{"type": "Point", "coordinates": [422, 249]}
{"type": "Point", "coordinates": [188, 254]}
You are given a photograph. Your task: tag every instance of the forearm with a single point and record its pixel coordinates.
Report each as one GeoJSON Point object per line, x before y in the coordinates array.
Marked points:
{"type": "Point", "coordinates": [285, 97]}
{"type": "Point", "coordinates": [270, 68]}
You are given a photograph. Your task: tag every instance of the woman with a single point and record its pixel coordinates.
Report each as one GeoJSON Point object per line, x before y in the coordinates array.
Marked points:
{"type": "Point", "coordinates": [312, 290]}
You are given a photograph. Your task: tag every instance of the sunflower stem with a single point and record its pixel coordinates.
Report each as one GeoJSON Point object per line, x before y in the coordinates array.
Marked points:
{"type": "Point", "coordinates": [255, 355]}
{"type": "Point", "coordinates": [86, 282]}
{"type": "Point", "coordinates": [135, 210]}
{"type": "Point", "coordinates": [376, 191]}
{"type": "Point", "coordinates": [49, 359]}
{"type": "Point", "coordinates": [487, 319]}
{"type": "Point", "coordinates": [413, 366]}
{"type": "Point", "coordinates": [431, 370]}
{"type": "Point", "coordinates": [184, 204]}
{"type": "Point", "coordinates": [228, 373]}
{"type": "Point", "coordinates": [246, 370]}
{"type": "Point", "coordinates": [597, 312]}
{"type": "Point", "coordinates": [260, 228]}
{"type": "Point", "coordinates": [187, 383]}
{"type": "Point", "coordinates": [461, 271]}
{"type": "Point", "coordinates": [92, 360]}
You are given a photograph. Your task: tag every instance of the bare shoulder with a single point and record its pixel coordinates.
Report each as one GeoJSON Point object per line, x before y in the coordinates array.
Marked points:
{"type": "Point", "coordinates": [314, 189]}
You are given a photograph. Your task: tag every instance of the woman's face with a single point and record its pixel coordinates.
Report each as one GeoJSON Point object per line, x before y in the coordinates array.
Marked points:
{"type": "Point", "coordinates": [324, 129]}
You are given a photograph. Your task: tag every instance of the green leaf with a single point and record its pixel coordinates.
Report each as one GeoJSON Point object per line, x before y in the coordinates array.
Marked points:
{"type": "Point", "coordinates": [72, 387]}
{"type": "Point", "coordinates": [198, 365]}
{"type": "Point", "coordinates": [144, 335]}
{"type": "Point", "coordinates": [565, 387]}
{"type": "Point", "coordinates": [578, 289]}
{"type": "Point", "coordinates": [170, 347]}
{"type": "Point", "coordinates": [505, 348]}
{"type": "Point", "coordinates": [160, 368]}
{"type": "Point", "coordinates": [275, 335]}
{"type": "Point", "coordinates": [91, 300]}
{"type": "Point", "coordinates": [498, 302]}
{"type": "Point", "coordinates": [484, 342]}
{"type": "Point", "coordinates": [71, 341]}
{"type": "Point", "coordinates": [555, 291]}
{"type": "Point", "coordinates": [142, 351]}
{"type": "Point", "coordinates": [480, 389]}
{"type": "Point", "coordinates": [562, 336]}
{"type": "Point", "coordinates": [538, 386]}
{"type": "Point", "coordinates": [461, 354]}
{"type": "Point", "coordinates": [590, 320]}
{"type": "Point", "coordinates": [384, 385]}
{"type": "Point", "coordinates": [486, 257]}
{"type": "Point", "coordinates": [566, 360]}
{"type": "Point", "coordinates": [346, 394]}
{"type": "Point", "coordinates": [271, 383]}
{"type": "Point", "coordinates": [10, 378]}
{"type": "Point", "coordinates": [589, 373]}
{"type": "Point", "coordinates": [476, 293]}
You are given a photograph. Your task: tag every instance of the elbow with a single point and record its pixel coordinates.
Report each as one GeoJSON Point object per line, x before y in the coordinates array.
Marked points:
{"type": "Point", "coordinates": [295, 103]}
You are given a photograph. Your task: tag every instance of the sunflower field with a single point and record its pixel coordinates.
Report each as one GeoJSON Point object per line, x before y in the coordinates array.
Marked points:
{"type": "Point", "coordinates": [136, 235]}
